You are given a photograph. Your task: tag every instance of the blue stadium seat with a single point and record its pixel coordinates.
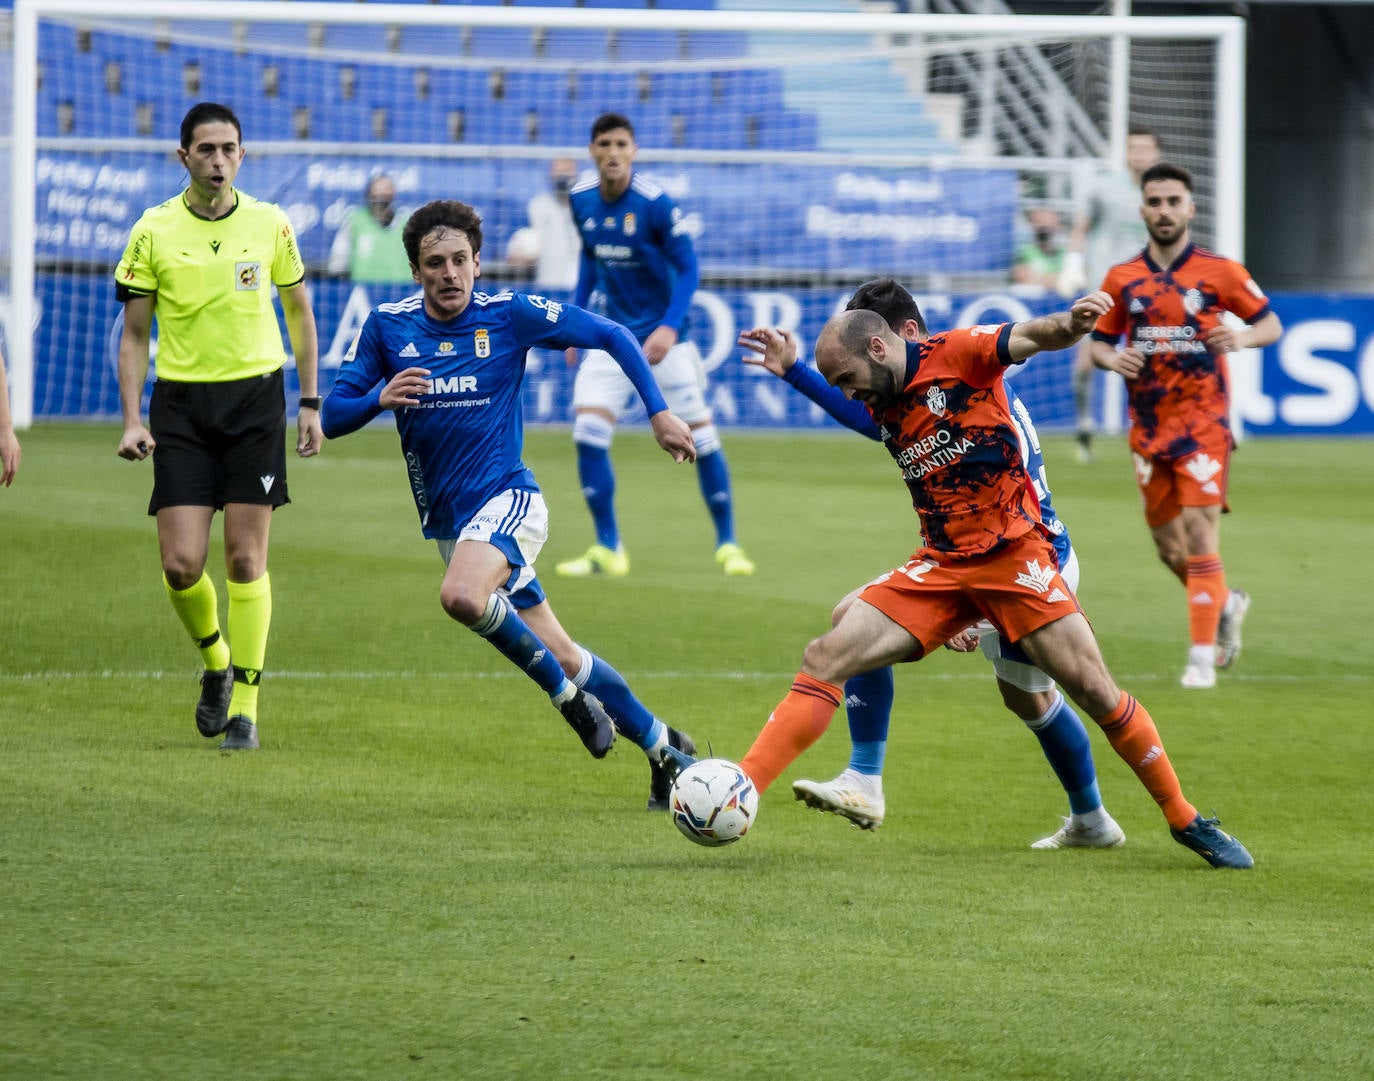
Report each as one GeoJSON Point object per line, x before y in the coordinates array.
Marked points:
{"type": "Point", "coordinates": [501, 43]}
{"type": "Point", "coordinates": [452, 87]}
{"type": "Point", "coordinates": [604, 91]}
{"type": "Point", "coordinates": [716, 44]}
{"type": "Point", "coordinates": [786, 129]}
{"type": "Point", "coordinates": [292, 37]}
{"type": "Point", "coordinates": [616, 3]}
{"type": "Point", "coordinates": [368, 38]}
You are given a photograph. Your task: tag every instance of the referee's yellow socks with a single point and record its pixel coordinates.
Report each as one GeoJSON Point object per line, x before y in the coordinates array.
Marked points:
{"type": "Point", "coordinates": [198, 609]}
{"type": "Point", "coordinates": [250, 618]}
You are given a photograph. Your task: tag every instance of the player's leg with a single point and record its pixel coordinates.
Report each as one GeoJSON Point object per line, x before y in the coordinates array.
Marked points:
{"type": "Point", "coordinates": [857, 793]}
{"type": "Point", "coordinates": [1083, 376]}
{"type": "Point", "coordinates": [183, 501]}
{"type": "Point", "coordinates": [491, 560]}
{"type": "Point", "coordinates": [1032, 696]}
{"type": "Point", "coordinates": [1067, 651]}
{"type": "Point", "coordinates": [600, 393]}
{"type": "Point", "coordinates": [249, 416]}
{"type": "Point", "coordinates": [597, 677]}
{"type": "Point", "coordinates": [683, 381]}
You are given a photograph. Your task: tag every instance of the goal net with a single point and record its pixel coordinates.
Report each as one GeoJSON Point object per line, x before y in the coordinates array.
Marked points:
{"type": "Point", "coordinates": [808, 152]}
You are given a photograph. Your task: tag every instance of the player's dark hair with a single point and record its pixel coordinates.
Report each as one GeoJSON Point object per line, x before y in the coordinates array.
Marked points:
{"type": "Point", "coordinates": [854, 333]}
{"type": "Point", "coordinates": [609, 122]}
{"type": "Point", "coordinates": [441, 213]}
{"type": "Point", "coordinates": [1163, 170]}
{"type": "Point", "coordinates": [206, 112]}
{"type": "Point", "coordinates": [890, 299]}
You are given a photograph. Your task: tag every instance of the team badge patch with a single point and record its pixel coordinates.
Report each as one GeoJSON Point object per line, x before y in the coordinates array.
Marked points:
{"type": "Point", "coordinates": [481, 344]}
{"type": "Point", "coordinates": [1192, 301]}
{"type": "Point", "coordinates": [935, 401]}
{"type": "Point", "coordinates": [629, 227]}
{"type": "Point", "coordinates": [247, 275]}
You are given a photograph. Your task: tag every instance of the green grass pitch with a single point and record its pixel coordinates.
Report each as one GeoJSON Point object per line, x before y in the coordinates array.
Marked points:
{"type": "Point", "coordinates": [423, 875]}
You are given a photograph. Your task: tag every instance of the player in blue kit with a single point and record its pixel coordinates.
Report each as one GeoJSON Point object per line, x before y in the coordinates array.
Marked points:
{"type": "Point", "coordinates": [636, 250]}
{"type": "Point", "coordinates": [857, 793]}
{"type": "Point", "coordinates": [450, 363]}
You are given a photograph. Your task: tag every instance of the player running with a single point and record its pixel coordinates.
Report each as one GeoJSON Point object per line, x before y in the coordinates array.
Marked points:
{"type": "Point", "coordinates": [450, 363]}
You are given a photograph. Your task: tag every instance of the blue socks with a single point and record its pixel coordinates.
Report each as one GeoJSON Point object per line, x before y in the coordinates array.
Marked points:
{"type": "Point", "coordinates": [868, 702]}
{"type": "Point", "coordinates": [502, 626]}
{"type": "Point", "coordinates": [598, 488]}
{"type": "Point", "coordinates": [714, 479]}
{"type": "Point", "coordinates": [632, 719]}
{"type": "Point", "coordinates": [1065, 743]}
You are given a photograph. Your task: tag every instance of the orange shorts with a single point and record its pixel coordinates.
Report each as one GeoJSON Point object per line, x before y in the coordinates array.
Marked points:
{"type": "Point", "coordinates": [936, 595]}
{"type": "Point", "coordinates": [1167, 485]}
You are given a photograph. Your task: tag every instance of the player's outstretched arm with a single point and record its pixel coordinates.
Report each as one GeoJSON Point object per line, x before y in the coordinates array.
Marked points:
{"type": "Point", "coordinates": [771, 348]}
{"type": "Point", "coordinates": [775, 350]}
{"type": "Point", "coordinates": [1058, 330]}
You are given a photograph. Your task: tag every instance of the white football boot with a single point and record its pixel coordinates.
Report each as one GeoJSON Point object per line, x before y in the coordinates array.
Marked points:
{"type": "Point", "coordinates": [851, 795]}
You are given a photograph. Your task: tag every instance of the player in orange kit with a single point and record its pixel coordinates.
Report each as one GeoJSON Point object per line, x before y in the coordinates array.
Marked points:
{"type": "Point", "coordinates": [942, 408]}
{"type": "Point", "coordinates": [1169, 301]}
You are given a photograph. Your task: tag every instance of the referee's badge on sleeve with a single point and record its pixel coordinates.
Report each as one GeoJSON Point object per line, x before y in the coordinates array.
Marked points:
{"type": "Point", "coordinates": [247, 275]}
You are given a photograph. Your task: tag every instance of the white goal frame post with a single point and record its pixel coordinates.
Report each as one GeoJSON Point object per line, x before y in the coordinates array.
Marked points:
{"type": "Point", "coordinates": [997, 30]}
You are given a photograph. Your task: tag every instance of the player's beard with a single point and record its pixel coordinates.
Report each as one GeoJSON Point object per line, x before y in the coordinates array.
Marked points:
{"type": "Point", "coordinates": [1165, 235]}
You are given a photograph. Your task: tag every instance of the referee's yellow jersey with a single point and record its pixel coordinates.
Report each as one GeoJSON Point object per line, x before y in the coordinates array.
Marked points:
{"type": "Point", "coordinates": [213, 281]}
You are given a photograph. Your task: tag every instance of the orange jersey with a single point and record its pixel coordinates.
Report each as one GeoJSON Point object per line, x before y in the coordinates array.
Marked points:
{"type": "Point", "coordinates": [953, 437]}
{"type": "Point", "coordinates": [1182, 392]}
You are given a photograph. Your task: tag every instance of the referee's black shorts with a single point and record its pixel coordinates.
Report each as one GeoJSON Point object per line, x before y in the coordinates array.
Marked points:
{"type": "Point", "coordinates": [219, 443]}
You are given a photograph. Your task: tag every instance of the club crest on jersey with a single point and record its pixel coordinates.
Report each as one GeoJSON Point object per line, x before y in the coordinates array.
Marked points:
{"type": "Point", "coordinates": [629, 227]}
{"type": "Point", "coordinates": [1192, 301]}
{"type": "Point", "coordinates": [481, 344]}
{"type": "Point", "coordinates": [935, 401]}
{"type": "Point", "coordinates": [247, 275]}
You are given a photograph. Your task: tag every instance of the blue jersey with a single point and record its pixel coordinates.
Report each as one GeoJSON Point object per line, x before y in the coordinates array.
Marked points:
{"type": "Point", "coordinates": [638, 252]}
{"type": "Point", "coordinates": [856, 415]}
{"type": "Point", "coordinates": [463, 441]}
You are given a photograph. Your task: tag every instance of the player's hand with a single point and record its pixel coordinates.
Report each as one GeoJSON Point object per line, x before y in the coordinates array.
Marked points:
{"type": "Point", "coordinates": [657, 344]}
{"type": "Point", "coordinates": [570, 356]}
{"type": "Point", "coordinates": [405, 388]}
{"type": "Point", "coordinates": [674, 436]}
{"type": "Point", "coordinates": [1087, 310]}
{"type": "Point", "coordinates": [309, 433]}
{"type": "Point", "coordinates": [966, 641]}
{"type": "Point", "coordinates": [770, 348]}
{"type": "Point", "coordinates": [1223, 339]}
{"type": "Point", "coordinates": [136, 443]}
{"type": "Point", "coordinates": [1128, 363]}
{"type": "Point", "coordinates": [9, 456]}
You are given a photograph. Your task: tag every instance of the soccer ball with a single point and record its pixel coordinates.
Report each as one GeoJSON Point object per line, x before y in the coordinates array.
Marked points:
{"type": "Point", "coordinates": [714, 802]}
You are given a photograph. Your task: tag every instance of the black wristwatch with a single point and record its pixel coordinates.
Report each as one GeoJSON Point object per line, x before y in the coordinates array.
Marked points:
{"type": "Point", "coordinates": [311, 403]}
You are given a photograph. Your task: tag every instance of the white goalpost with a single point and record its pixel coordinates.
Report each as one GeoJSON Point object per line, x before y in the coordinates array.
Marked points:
{"type": "Point", "coordinates": [809, 150]}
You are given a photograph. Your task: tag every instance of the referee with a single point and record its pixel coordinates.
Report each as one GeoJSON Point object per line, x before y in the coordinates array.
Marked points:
{"type": "Point", "coordinates": [204, 264]}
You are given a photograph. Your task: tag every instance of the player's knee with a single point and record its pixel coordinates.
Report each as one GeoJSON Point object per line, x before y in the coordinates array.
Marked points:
{"type": "Point", "coordinates": [181, 572]}
{"type": "Point", "coordinates": [593, 430]}
{"type": "Point", "coordinates": [837, 613]}
{"type": "Point", "coordinates": [1030, 706]}
{"type": "Point", "coordinates": [819, 660]}
{"type": "Point", "coordinates": [707, 439]}
{"type": "Point", "coordinates": [246, 566]}
{"type": "Point", "coordinates": [463, 601]}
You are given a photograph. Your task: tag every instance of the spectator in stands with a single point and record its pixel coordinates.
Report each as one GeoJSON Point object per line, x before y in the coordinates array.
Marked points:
{"type": "Point", "coordinates": [368, 247]}
{"type": "Point", "coordinates": [203, 264]}
{"type": "Point", "coordinates": [1106, 231]}
{"type": "Point", "coordinates": [1040, 260]}
{"type": "Point", "coordinates": [636, 249]}
{"type": "Point", "coordinates": [550, 244]}
{"type": "Point", "coordinates": [9, 442]}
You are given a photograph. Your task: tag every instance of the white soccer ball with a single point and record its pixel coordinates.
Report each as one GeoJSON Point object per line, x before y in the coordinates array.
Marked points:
{"type": "Point", "coordinates": [714, 802]}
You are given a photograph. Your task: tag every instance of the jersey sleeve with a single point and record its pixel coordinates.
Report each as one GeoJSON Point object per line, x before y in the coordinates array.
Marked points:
{"type": "Point", "coordinates": [1242, 294]}
{"type": "Point", "coordinates": [1113, 322]}
{"type": "Point", "coordinates": [538, 321]}
{"type": "Point", "coordinates": [681, 254]}
{"type": "Point", "coordinates": [981, 354]}
{"type": "Point", "coordinates": [288, 268]}
{"type": "Point", "coordinates": [853, 415]}
{"type": "Point", "coordinates": [356, 397]}
{"type": "Point", "coordinates": [134, 274]}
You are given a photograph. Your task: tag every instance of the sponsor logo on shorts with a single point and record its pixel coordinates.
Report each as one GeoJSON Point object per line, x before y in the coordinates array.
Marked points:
{"type": "Point", "coordinates": [267, 482]}
{"type": "Point", "coordinates": [1203, 467]}
{"type": "Point", "coordinates": [1037, 577]}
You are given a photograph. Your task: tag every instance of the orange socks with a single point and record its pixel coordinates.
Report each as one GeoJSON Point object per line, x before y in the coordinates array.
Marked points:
{"type": "Point", "coordinates": [798, 721]}
{"type": "Point", "coordinates": [1207, 593]}
{"type": "Point", "coordinates": [1131, 732]}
